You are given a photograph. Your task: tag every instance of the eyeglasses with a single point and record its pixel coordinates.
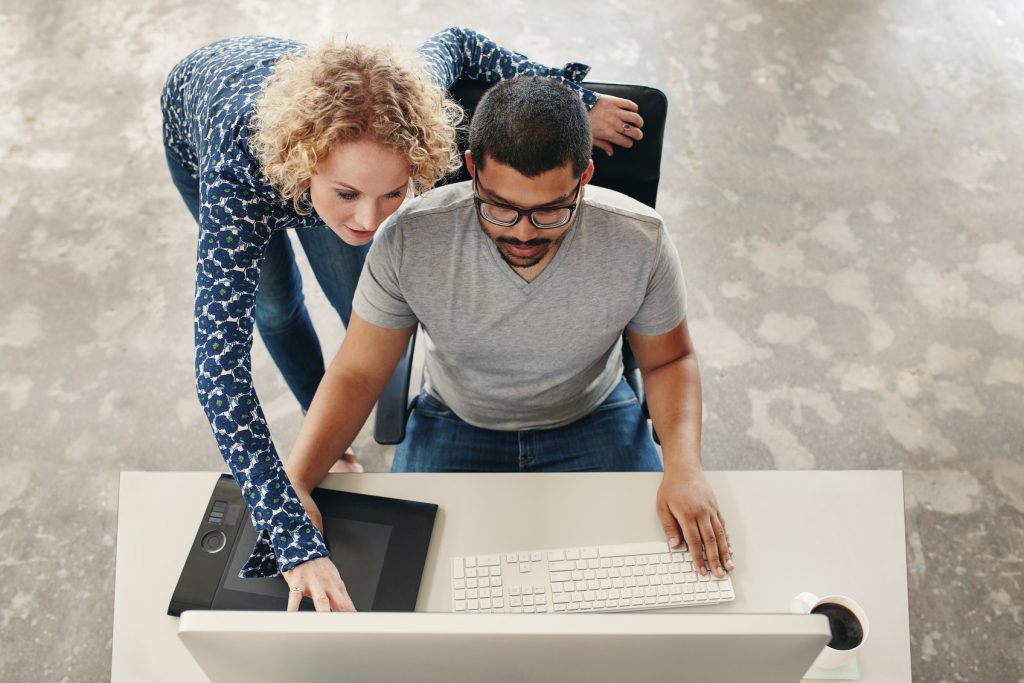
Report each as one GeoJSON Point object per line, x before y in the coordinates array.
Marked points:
{"type": "Point", "coordinates": [543, 218]}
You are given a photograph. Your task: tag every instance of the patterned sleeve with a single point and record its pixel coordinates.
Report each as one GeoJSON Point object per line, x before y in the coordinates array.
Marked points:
{"type": "Point", "coordinates": [232, 236]}
{"type": "Point", "coordinates": [457, 52]}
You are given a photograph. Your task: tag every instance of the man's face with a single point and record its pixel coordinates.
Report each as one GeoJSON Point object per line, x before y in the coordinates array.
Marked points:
{"type": "Point", "coordinates": [524, 245]}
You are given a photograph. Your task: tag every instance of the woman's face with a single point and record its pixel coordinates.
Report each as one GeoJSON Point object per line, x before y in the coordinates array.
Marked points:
{"type": "Point", "coordinates": [358, 185]}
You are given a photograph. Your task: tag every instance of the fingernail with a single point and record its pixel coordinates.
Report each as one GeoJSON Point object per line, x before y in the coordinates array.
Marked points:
{"type": "Point", "coordinates": [729, 565]}
{"type": "Point", "coordinates": [673, 542]}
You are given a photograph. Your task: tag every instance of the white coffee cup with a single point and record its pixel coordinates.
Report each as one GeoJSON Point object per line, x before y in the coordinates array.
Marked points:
{"type": "Point", "coordinates": [831, 658]}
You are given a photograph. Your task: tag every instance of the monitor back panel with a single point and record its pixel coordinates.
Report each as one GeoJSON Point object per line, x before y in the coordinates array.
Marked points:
{"type": "Point", "coordinates": [427, 648]}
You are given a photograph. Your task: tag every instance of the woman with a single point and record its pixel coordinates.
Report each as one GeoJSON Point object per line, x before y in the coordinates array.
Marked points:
{"type": "Point", "coordinates": [262, 136]}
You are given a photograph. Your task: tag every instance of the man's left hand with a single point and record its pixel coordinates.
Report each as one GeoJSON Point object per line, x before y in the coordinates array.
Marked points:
{"type": "Point", "coordinates": [686, 503]}
{"type": "Point", "coordinates": [615, 121]}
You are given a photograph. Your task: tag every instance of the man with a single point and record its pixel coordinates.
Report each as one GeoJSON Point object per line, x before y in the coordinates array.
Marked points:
{"type": "Point", "coordinates": [524, 279]}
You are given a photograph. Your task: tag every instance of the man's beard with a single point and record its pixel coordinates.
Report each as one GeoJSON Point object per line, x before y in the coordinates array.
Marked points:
{"type": "Point", "coordinates": [521, 261]}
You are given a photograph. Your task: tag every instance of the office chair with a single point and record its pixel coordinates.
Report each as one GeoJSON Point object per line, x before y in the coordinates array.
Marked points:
{"type": "Point", "coordinates": [634, 172]}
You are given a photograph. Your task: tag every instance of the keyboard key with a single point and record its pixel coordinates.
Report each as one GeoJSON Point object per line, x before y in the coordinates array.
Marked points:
{"type": "Point", "coordinates": [472, 593]}
{"type": "Point", "coordinates": [555, 555]}
{"type": "Point", "coordinates": [589, 574]}
{"type": "Point", "coordinates": [562, 566]}
{"type": "Point", "coordinates": [471, 583]}
{"type": "Point", "coordinates": [497, 603]}
{"type": "Point", "coordinates": [524, 567]}
{"type": "Point", "coordinates": [457, 570]}
{"type": "Point", "coordinates": [524, 557]}
{"type": "Point", "coordinates": [511, 558]}
{"type": "Point", "coordinates": [556, 588]}
{"type": "Point", "coordinates": [514, 590]}
{"type": "Point", "coordinates": [495, 571]}
{"type": "Point", "coordinates": [470, 572]}
{"type": "Point", "coordinates": [539, 590]}
{"type": "Point", "coordinates": [460, 605]}
{"type": "Point", "coordinates": [572, 554]}
{"type": "Point", "coordinates": [527, 601]}
{"type": "Point", "coordinates": [488, 561]}
{"type": "Point", "coordinates": [515, 601]}
{"type": "Point", "coordinates": [485, 592]}
{"type": "Point", "coordinates": [472, 605]}
{"type": "Point", "coordinates": [588, 553]}
{"type": "Point", "coordinates": [470, 562]}
{"type": "Point", "coordinates": [460, 595]}
{"type": "Point", "coordinates": [536, 556]}
{"type": "Point", "coordinates": [485, 603]}
{"type": "Point", "coordinates": [459, 583]}
{"type": "Point", "coordinates": [496, 592]}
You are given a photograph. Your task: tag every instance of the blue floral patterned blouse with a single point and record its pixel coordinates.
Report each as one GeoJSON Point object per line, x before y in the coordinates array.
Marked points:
{"type": "Point", "coordinates": [207, 104]}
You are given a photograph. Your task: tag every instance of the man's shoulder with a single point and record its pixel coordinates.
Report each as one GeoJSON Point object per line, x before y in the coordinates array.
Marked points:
{"type": "Point", "coordinates": [437, 201]}
{"type": "Point", "coordinates": [621, 210]}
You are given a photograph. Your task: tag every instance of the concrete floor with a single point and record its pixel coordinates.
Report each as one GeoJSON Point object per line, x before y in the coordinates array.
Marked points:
{"type": "Point", "coordinates": [838, 177]}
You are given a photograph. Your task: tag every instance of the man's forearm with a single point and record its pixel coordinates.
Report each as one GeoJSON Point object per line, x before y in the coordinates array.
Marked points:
{"type": "Point", "coordinates": [674, 401]}
{"type": "Point", "coordinates": [339, 410]}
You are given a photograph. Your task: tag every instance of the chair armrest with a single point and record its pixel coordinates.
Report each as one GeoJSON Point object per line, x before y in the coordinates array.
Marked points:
{"type": "Point", "coordinates": [393, 404]}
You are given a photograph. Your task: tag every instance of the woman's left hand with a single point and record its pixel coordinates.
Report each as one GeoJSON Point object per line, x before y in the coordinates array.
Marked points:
{"type": "Point", "coordinates": [615, 121]}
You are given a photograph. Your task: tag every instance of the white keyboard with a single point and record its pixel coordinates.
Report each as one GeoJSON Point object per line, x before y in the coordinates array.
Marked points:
{"type": "Point", "coordinates": [604, 578]}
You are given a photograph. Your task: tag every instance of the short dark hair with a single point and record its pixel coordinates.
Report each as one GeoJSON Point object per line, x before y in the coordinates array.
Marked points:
{"type": "Point", "coordinates": [533, 125]}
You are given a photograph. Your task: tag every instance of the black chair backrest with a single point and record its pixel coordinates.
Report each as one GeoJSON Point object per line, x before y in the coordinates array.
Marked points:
{"type": "Point", "coordinates": [635, 171]}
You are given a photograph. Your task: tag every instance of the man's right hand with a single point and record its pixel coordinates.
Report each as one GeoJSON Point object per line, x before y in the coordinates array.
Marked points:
{"type": "Point", "coordinates": [317, 579]}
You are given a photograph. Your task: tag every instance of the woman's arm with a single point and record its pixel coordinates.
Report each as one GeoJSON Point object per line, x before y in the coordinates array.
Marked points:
{"type": "Point", "coordinates": [461, 52]}
{"type": "Point", "coordinates": [227, 273]}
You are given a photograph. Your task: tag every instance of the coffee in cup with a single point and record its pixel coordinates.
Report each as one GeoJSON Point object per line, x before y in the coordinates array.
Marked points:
{"type": "Point", "coordinates": [847, 621]}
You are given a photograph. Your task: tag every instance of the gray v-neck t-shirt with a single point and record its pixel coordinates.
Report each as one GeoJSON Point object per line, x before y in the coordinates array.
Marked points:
{"type": "Point", "coordinates": [506, 354]}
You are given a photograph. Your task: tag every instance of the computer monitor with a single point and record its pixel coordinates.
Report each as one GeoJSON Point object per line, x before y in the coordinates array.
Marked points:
{"type": "Point", "coordinates": [253, 647]}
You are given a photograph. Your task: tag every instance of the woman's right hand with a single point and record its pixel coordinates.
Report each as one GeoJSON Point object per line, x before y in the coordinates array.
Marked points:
{"type": "Point", "coordinates": [318, 579]}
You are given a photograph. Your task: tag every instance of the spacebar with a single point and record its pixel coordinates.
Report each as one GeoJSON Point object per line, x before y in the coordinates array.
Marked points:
{"type": "Point", "coordinates": [632, 549]}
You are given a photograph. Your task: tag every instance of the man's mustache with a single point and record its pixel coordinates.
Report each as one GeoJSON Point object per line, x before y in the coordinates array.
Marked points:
{"type": "Point", "coordinates": [535, 242]}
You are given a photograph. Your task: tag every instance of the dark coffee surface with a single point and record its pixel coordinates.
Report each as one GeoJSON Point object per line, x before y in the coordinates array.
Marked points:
{"type": "Point", "coordinates": [847, 632]}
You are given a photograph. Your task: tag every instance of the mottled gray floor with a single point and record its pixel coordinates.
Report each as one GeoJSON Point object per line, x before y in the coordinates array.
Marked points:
{"type": "Point", "coordinates": [839, 177]}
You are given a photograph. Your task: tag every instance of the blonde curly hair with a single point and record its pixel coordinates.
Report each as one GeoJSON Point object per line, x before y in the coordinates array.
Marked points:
{"type": "Point", "coordinates": [341, 93]}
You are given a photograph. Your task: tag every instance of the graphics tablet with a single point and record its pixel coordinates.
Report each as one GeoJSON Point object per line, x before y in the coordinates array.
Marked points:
{"type": "Point", "coordinates": [378, 544]}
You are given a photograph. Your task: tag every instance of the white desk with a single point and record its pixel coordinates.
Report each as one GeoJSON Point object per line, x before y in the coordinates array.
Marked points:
{"type": "Point", "coordinates": [824, 532]}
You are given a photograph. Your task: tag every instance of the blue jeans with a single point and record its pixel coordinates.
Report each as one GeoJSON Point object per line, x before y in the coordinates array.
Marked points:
{"type": "Point", "coordinates": [613, 438]}
{"type": "Point", "coordinates": [281, 315]}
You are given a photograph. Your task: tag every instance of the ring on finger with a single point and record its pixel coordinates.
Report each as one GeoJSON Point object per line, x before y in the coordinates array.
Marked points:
{"type": "Point", "coordinates": [626, 127]}
{"type": "Point", "coordinates": [296, 589]}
